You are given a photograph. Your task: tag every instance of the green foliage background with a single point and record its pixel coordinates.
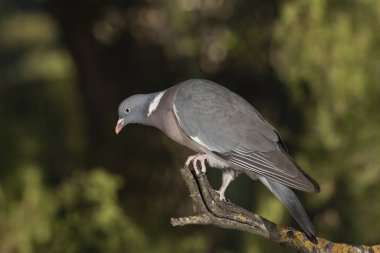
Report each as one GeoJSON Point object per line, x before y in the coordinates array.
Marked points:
{"type": "Point", "coordinates": [68, 184]}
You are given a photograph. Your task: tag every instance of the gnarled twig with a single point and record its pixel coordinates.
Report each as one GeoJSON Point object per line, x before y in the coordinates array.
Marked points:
{"type": "Point", "coordinates": [210, 210]}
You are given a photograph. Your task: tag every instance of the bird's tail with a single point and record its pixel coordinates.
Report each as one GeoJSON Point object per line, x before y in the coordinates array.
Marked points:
{"type": "Point", "coordinates": [290, 200]}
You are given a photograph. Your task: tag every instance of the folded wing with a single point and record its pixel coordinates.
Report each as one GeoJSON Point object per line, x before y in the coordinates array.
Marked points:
{"type": "Point", "coordinates": [224, 123]}
{"type": "Point", "coordinates": [275, 165]}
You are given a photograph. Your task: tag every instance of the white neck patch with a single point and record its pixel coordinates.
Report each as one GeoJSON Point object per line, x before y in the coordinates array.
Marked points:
{"type": "Point", "coordinates": [155, 102]}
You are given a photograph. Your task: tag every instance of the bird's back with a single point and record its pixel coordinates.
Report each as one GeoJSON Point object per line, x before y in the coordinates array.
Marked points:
{"type": "Point", "coordinates": [222, 115]}
{"type": "Point", "coordinates": [227, 125]}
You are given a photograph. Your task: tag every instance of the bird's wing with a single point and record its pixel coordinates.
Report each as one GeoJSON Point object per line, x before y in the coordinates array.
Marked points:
{"type": "Point", "coordinates": [276, 165]}
{"type": "Point", "coordinates": [227, 125]}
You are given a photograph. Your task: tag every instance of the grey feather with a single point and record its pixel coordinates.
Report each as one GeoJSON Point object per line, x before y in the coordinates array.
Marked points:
{"type": "Point", "coordinates": [227, 125]}
{"type": "Point", "coordinates": [292, 203]}
{"type": "Point", "coordinates": [211, 119]}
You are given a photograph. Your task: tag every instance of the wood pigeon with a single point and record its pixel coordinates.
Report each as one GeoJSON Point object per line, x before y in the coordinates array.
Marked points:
{"type": "Point", "coordinates": [227, 132]}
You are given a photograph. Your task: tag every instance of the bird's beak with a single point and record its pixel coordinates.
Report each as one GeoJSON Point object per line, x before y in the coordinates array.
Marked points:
{"type": "Point", "coordinates": [120, 124]}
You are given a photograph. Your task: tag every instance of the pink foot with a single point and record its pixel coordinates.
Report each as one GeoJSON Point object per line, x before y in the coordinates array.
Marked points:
{"type": "Point", "coordinates": [194, 159]}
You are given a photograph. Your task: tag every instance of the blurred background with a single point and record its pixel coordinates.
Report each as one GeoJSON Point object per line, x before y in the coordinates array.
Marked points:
{"type": "Point", "coordinates": [69, 184]}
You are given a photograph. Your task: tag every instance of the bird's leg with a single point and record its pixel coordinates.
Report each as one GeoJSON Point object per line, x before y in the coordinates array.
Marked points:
{"type": "Point", "coordinates": [194, 159]}
{"type": "Point", "coordinates": [227, 177]}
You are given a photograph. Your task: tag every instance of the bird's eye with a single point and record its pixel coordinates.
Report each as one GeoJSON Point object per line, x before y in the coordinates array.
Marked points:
{"type": "Point", "coordinates": [127, 110]}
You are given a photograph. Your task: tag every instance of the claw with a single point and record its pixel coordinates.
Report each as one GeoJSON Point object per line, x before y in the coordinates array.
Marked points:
{"type": "Point", "coordinates": [194, 159]}
{"type": "Point", "coordinates": [221, 196]}
{"type": "Point", "coordinates": [203, 165]}
{"type": "Point", "coordinates": [195, 165]}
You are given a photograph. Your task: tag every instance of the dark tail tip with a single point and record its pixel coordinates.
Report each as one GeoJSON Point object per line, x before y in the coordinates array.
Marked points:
{"type": "Point", "coordinates": [312, 238]}
{"type": "Point", "coordinates": [290, 200]}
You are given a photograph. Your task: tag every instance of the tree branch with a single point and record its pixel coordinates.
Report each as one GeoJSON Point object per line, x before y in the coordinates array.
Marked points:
{"type": "Point", "coordinates": [211, 211]}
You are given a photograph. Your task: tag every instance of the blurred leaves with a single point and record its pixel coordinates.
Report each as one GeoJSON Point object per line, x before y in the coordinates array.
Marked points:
{"type": "Point", "coordinates": [82, 214]}
{"type": "Point", "coordinates": [90, 217]}
{"type": "Point", "coordinates": [27, 30]}
{"type": "Point", "coordinates": [311, 67]}
{"type": "Point", "coordinates": [25, 215]}
{"type": "Point", "coordinates": [328, 55]}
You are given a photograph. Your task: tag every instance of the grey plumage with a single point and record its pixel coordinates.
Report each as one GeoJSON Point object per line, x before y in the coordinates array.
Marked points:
{"type": "Point", "coordinates": [290, 200]}
{"type": "Point", "coordinates": [228, 132]}
{"type": "Point", "coordinates": [233, 130]}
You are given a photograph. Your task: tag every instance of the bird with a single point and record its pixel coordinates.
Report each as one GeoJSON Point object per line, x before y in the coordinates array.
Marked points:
{"type": "Point", "coordinates": [228, 133]}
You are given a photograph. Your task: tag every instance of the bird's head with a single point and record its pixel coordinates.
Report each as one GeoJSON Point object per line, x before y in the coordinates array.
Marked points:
{"type": "Point", "coordinates": [133, 110]}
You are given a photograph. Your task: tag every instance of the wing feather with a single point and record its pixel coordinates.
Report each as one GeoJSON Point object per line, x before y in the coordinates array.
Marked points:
{"type": "Point", "coordinates": [225, 124]}
{"type": "Point", "coordinates": [274, 165]}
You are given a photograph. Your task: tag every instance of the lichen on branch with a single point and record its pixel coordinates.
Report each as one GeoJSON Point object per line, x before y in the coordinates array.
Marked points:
{"type": "Point", "coordinates": [211, 211]}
